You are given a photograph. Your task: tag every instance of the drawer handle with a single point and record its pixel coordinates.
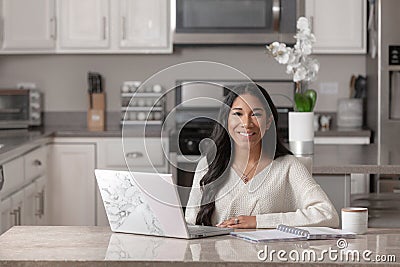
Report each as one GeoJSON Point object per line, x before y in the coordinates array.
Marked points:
{"type": "Point", "coordinates": [40, 210]}
{"type": "Point", "coordinates": [134, 155]}
{"type": "Point", "coordinates": [17, 216]}
{"type": "Point", "coordinates": [37, 162]}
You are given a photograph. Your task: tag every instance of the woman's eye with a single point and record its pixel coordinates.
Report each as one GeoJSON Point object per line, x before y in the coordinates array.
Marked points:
{"type": "Point", "coordinates": [257, 114]}
{"type": "Point", "coordinates": [236, 113]}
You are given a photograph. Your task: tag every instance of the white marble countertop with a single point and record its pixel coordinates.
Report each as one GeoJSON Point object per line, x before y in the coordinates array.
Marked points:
{"type": "Point", "coordinates": [98, 246]}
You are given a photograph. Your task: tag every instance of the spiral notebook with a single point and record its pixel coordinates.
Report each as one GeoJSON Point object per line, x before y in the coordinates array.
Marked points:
{"type": "Point", "coordinates": [288, 233]}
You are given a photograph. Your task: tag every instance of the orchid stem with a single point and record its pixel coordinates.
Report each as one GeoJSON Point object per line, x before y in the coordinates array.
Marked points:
{"type": "Point", "coordinates": [298, 87]}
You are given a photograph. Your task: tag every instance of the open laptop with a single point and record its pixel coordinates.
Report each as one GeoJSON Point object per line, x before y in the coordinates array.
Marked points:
{"type": "Point", "coordinates": [148, 204]}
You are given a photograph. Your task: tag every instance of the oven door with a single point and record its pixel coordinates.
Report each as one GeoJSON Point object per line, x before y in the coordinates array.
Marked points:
{"type": "Point", "coordinates": [183, 170]}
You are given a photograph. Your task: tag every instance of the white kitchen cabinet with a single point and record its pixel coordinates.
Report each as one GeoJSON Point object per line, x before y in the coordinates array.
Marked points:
{"type": "Point", "coordinates": [84, 24]}
{"type": "Point", "coordinates": [339, 26]}
{"type": "Point", "coordinates": [34, 203]}
{"type": "Point", "coordinates": [14, 173]}
{"type": "Point", "coordinates": [6, 213]}
{"type": "Point", "coordinates": [24, 178]}
{"type": "Point", "coordinates": [12, 210]}
{"type": "Point", "coordinates": [144, 25]}
{"type": "Point", "coordinates": [28, 25]}
{"type": "Point", "coordinates": [35, 163]}
{"type": "Point", "coordinates": [141, 154]}
{"type": "Point", "coordinates": [71, 184]}
{"type": "Point", "coordinates": [41, 210]}
{"type": "Point", "coordinates": [28, 215]}
{"type": "Point", "coordinates": [90, 26]}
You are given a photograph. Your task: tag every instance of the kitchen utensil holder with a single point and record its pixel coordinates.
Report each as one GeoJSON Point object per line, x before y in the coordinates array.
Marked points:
{"type": "Point", "coordinates": [96, 112]}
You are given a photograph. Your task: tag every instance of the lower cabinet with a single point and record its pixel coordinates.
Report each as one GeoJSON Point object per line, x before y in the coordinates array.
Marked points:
{"type": "Point", "coordinates": [34, 203]}
{"type": "Point", "coordinates": [41, 193]}
{"type": "Point", "coordinates": [71, 184]}
{"type": "Point", "coordinates": [12, 210]}
{"type": "Point", "coordinates": [337, 187]}
{"type": "Point", "coordinates": [22, 199]}
{"type": "Point", "coordinates": [6, 210]}
{"type": "Point", "coordinates": [28, 216]}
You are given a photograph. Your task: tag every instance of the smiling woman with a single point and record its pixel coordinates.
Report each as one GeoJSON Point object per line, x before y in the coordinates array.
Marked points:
{"type": "Point", "coordinates": [251, 180]}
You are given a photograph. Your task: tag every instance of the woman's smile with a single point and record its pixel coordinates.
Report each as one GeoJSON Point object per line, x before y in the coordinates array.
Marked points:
{"type": "Point", "coordinates": [247, 134]}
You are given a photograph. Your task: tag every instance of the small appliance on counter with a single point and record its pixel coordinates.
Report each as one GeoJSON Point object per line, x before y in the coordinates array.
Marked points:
{"type": "Point", "coordinates": [20, 108]}
{"type": "Point", "coordinates": [96, 111]}
{"type": "Point", "coordinates": [351, 110]}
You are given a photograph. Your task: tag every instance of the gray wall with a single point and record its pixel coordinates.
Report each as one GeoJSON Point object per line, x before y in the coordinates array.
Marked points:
{"type": "Point", "coordinates": [62, 78]}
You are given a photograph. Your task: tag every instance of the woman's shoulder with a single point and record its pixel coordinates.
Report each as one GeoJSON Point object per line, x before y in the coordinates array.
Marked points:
{"type": "Point", "coordinates": [286, 159]}
{"type": "Point", "coordinates": [290, 160]}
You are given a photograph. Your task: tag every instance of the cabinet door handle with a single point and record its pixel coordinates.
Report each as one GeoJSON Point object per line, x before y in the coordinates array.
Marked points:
{"type": "Point", "coordinates": [1, 177]}
{"type": "Point", "coordinates": [53, 22]}
{"type": "Point", "coordinates": [134, 155]}
{"type": "Point", "coordinates": [104, 28]}
{"type": "Point", "coordinates": [40, 204]}
{"type": "Point", "coordinates": [14, 213]}
{"type": "Point", "coordinates": [123, 28]}
{"type": "Point", "coordinates": [2, 30]}
{"type": "Point", "coordinates": [276, 15]}
{"type": "Point", "coordinates": [37, 162]}
{"type": "Point", "coordinates": [19, 215]}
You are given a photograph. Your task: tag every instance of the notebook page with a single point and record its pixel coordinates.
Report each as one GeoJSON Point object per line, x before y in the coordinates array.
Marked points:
{"type": "Point", "coordinates": [267, 235]}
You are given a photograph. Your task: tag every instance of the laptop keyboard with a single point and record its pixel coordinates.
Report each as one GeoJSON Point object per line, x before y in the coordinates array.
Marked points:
{"type": "Point", "coordinates": [199, 229]}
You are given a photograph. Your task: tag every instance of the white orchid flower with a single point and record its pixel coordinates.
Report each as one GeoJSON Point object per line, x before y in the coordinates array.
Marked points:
{"type": "Point", "coordinates": [280, 52]}
{"type": "Point", "coordinates": [299, 74]}
{"type": "Point", "coordinates": [302, 24]}
{"type": "Point", "coordinates": [297, 60]}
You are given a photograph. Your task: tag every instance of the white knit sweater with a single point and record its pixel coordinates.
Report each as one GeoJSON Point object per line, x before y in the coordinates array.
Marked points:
{"type": "Point", "coordinates": [282, 193]}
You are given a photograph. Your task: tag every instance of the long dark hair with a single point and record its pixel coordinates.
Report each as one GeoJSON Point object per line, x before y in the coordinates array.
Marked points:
{"type": "Point", "coordinates": [219, 160]}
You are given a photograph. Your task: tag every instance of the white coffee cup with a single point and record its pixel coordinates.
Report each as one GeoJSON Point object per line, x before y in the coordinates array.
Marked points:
{"type": "Point", "coordinates": [355, 219]}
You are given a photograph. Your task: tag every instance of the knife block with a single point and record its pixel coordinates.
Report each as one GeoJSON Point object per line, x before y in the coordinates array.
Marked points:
{"type": "Point", "coordinates": [96, 112]}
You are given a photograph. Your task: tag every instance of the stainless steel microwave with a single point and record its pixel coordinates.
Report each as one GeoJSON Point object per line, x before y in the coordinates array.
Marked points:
{"type": "Point", "coordinates": [20, 108]}
{"type": "Point", "coordinates": [246, 22]}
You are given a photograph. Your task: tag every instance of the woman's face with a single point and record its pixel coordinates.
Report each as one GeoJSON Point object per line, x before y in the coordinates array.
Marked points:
{"type": "Point", "coordinates": [248, 121]}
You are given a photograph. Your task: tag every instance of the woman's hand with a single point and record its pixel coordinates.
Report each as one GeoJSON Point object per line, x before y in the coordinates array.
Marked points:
{"type": "Point", "coordinates": [239, 222]}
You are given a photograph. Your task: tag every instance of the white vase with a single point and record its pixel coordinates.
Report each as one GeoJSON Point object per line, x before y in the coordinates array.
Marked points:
{"type": "Point", "coordinates": [301, 133]}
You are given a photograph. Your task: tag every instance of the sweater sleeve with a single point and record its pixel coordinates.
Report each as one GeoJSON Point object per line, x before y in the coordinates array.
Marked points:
{"type": "Point", "coordinates": [193, 205]}
{"type": "Point", "coordinates": [312, 205]}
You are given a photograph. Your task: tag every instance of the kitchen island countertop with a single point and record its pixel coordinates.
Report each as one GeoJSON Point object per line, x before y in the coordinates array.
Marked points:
{"type": "Point", "coordinates": [98, 246]}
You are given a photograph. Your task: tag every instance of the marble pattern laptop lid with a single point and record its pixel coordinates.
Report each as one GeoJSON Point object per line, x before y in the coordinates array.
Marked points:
{"type": "Point", "coordinates": [126, 207]}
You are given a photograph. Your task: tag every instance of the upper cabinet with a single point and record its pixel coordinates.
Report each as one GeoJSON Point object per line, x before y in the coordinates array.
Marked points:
{"type": "Point", "coordinates": [339, 26]}
{"type": "Point", "coordinates": [84, 24]}
{"type": "Point", "coordinates": [143, 25]}
{"type": "Point", "coordinates": [89, 26]}
{"type": "Point", "coordinates": [28, 25]}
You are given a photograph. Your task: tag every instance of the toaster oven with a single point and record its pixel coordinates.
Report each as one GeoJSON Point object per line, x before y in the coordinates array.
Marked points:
{"type": "Point", "coordinates": [20, 108]}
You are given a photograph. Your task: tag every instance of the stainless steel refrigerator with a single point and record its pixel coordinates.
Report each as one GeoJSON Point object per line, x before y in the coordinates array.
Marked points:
{"type": "Point", "coordinates": [383, 70]}
{"type": "Point", "coordinates": [383, 106]}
